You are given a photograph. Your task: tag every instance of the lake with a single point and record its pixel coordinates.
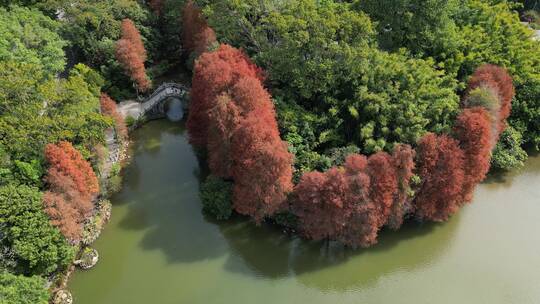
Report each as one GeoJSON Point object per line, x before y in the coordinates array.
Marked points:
{"type": "Point", "coordinates": [159, 247]}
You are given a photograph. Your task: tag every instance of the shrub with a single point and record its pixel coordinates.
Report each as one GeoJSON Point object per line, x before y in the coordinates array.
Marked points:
{"type": "Point", "coordinates": [508, 153]}
{"type": "Point", "coordinates": [115, 179]}
{"type": "Point", "coordinates": [216, 196]}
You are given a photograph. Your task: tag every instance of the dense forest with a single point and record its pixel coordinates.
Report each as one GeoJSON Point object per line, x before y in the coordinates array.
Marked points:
{"type": "Point", "coordinates": [335, 119]}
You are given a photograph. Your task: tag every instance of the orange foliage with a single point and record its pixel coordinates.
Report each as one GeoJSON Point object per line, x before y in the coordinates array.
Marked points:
{"type": "Point", "coordinates": [109, 108]}
{"type": "Point", "coordinates": [72, 187]}
{"type": "Point", "coordinates": [215, 73]}
{"type": "Point", "coordinates": [224, 120]}
{"type": "Point", "coordinates": [262, 167]}
{"type": "Point", "coordinates": [196, 34]}
{"type": "Point", "coordinates": [233, 117]}
{"type": "Point", "coordinates": [440, 162]}
{"type": "Point", "coordinates": [69, 161]}
{"type": "Point", "coordinates": [63, 215]}
{"type": "Point", "coordinates": [131, 54]}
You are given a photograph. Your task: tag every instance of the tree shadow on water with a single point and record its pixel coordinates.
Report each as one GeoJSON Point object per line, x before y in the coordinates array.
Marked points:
{"type": "Point", "coordinates": [163, 202]}
{"type": "Point", "coordinates": [265, 252]}
{"type": "Point", "coordinates": [175, 227]}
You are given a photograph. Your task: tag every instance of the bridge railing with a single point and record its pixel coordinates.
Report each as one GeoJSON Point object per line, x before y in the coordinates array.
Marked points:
{"type": "Point", "coordinates": [163, 87]}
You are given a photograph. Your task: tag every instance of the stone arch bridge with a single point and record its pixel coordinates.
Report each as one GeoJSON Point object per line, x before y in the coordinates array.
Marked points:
{"type": "Point", "coordinates": [166, 97]}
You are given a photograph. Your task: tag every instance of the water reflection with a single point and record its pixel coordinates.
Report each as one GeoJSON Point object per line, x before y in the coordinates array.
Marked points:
{"type": "Point", "coordinates": [174, 109]}
{"type": "Point", "coordinates": [264, 252]}
{"type": "Point", "coordinates": [161, 248]}
{"type": "Point", "coordinates": [165, 204]}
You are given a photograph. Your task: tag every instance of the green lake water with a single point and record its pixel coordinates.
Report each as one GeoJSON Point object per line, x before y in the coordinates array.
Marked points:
{"type": "Point", "coordinates": [160, 248]}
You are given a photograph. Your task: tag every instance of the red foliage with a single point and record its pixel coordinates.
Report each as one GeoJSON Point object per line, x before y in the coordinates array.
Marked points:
{"type": "Point", "coordinates": [72, 187]}
{"type": "Point", "coordinates": [319, 203]}
{"type": "Point", "coordinates": [262, 167]}
{"type": "Point", "coordinates": [131, 54]}
{"type": "Point", "coordinates": [497, 78]}
{"type": "Point", "coordinates": [196, 34]}
{"type": "Point", "coordinates": [63, 215]}
{"type": "Point", "coordinates": [403, 160]}
{"type": "Point", "coordinates": [249, 95]}
{"type": "Point", "coordinates": [473, 131]}
{"type": "Point", "coordinates": [347, 204]}
{"type": "Point", "coordinates": [109, 108]}
{"type": "Point", "coordinates": [355, 163]}
{"type": "Point", "coordinates": [383, 176]}
{"type": "Point", "coordinates": [440, 162]}
{"type": "Point", "coordinates": [69, 161]}
{"type": "Point", "coordinates": [215, 73]}
{"type": "Point", "coordinates": [362, 226]}
{"type": "Point", "coordinates": [224, 120]}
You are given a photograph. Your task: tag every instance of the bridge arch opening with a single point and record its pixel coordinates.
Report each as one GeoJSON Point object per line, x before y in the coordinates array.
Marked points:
{"type": "Point", "coordinates": [174, 109]}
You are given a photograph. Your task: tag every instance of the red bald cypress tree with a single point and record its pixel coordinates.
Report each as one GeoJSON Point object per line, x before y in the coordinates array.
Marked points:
{"type": "Point", "coordinates": [131, 54]}
{"type": "Point", "coordinates": [363, 222]}
{"type": "Point", "coordinates": [109, 108]}
{"type": "Point", "coordinates": [63, 215]}
{"type": "Point", "coordinates": [403, 161]}
{"type": "Point", "coordinates": [72, 186]}
{"type": "Point", "coordinates": [347, 204]}
{"type": "Point", "coordinates": [64, 158]}
{"type": "Point", "coordinates": [320, 204]}
{"type": "Point", "coordinates": [262, 167]}
{"type": "Point", "coordinates": [223, 122]}
{"type": "Point", "coordinates": [498, 79]}
{"type": "Point", "coordinates": [383, 177]}
{"type": "Point", "coordinates": [440, 162]}
{"type": "Point", "coordinates": [215, 73]}
{"type": "Point", "coordinates": [473, 131]}
{"type": "Point", "coordinates": [197, 36]}
{"type": "Point", "coordinates": [355, 163]}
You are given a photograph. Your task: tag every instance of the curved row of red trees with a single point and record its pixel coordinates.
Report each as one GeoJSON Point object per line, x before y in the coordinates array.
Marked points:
{"type": "Point", "coordinates": [233, 118]}
{"type": "Point", "coordinates": [352, 203]}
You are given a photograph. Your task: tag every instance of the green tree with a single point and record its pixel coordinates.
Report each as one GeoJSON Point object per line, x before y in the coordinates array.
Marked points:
{"type": "Point", "coordinates": [424, 27]}
{"type": "Point", "coordinates": [323, 56]}
{"type": "Point", "coordinates": [93, 27]}
{"type": "Point", "coordinates": [22, 290]}
{"type": "Point", "coordinates": [38, 246]}
{"type": "Point", "coordinates": [495, 35]}
{"type": "Point", "coordinates": [508, 153]}
{"type": "Point", "coordinates": [48, 110]}
{"type": "Point", "coordinates": [28, 36]}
